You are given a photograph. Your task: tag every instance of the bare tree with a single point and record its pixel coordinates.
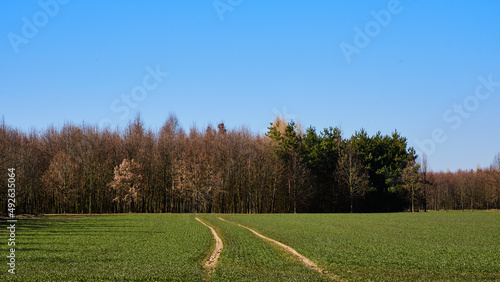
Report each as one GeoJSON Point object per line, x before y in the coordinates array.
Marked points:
{"type": "Point", "coordinates": [495, 165]}
{"type": "Point", "coordinates": [352, 175]}
{"type": "Point", "coordinates": [61, 180]}
{"type": "Point", "coordinates": [424, 180]}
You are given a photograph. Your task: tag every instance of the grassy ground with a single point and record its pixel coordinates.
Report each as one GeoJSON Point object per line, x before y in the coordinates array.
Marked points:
{"type": "Point", "coordinates": [159, 247]}
{"type": "Point", "coordinates": [249, 258]}
{"type": "Point", "coordinates": [429, 246]}
{"type": "Point", "coordinates": [114, 247]}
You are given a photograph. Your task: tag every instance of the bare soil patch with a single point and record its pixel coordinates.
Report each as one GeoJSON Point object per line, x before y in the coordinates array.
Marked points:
{"type": "Point", "coordinates": [214, 257]}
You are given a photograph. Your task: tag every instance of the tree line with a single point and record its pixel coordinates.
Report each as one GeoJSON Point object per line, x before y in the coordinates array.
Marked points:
{"type": "Point", "coordinates": [473, 189]}
{"type": "Point", "coordinates": [84, 169]}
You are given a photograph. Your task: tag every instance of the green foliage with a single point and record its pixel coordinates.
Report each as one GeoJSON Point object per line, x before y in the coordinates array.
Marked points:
{"type": "Point", "coordinates": [286, 138]}
{"type": "Point", "coordinates": [403, 246]}
{"type": "Point", "coordinates": [382, 158]}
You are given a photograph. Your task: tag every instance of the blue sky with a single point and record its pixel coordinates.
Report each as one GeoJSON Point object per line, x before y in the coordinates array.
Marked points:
{"type": "Point", "coordinates": [415, 67]}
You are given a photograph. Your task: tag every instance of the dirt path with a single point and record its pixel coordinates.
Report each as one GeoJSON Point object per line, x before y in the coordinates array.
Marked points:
{"type": "Point", "coordinates": [289, 249]}
{"type": "Point", "coordinates": [214, 257]}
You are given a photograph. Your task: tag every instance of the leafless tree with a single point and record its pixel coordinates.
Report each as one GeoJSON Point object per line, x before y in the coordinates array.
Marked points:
{"type": "Point", "coordinates": [352, 175]}
{"type": "Point", "coordinates": [61, 181]}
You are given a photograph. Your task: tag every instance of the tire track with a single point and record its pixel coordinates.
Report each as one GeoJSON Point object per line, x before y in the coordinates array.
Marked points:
{"type": "Point", "coordinates": [214, 257]}
{"type": "Point", "coordinates": [309, 263]}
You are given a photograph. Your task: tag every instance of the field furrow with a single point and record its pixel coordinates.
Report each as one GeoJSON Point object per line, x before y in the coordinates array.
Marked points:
{"type": "Point", "coordinates": [429, 246]}
{"type": "Point", "coordinates": [164, 247]}
{"type": "Point", "coordinates": [292, 251]}
{"type": "Point", "coordinates": [246, 257]}
{"type": "Point", "coordinates": [214, 257]}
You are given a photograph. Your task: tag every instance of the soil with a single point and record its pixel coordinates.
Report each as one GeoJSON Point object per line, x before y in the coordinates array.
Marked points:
{"type": "Point", "coordinates": [214, 257]}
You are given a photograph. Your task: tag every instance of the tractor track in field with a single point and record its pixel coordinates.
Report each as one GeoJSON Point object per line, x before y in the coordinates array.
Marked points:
{"type": "Point", "coordinates": [309, 263]}
{"type": "Point", "coordinates": [214, 257]}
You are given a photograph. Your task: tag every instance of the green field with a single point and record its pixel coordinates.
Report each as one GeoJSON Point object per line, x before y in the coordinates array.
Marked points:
{"type": "Point", "coordinates": [247, 257]}
{"type": "Point", "coordinates": [110, 247]}
{"type": "Point", "coordinates": [429, 246]}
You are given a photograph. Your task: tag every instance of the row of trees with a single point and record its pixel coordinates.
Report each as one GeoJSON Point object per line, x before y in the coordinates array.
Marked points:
{"type": "Point", "coordinates": [83, 169]}
{"type": "Point", "coordinates": [475, 189]}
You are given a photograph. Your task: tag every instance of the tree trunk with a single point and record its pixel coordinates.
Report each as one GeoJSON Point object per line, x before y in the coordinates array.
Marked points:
{"type": "Point", "coordinates": [412, 198]}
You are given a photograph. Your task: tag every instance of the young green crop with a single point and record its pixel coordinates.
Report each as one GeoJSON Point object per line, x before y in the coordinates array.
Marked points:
{"type": "Point", "coordinates": [249, 258]}
{"type": "Point", "coordinates": [411, 246]}
{"type": "Point", "coordinates": [428, 246]}
{"type": "Point", "coordinates": [111, 247]}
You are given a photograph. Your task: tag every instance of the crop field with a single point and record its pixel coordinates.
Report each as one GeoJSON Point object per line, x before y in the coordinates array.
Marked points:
{"type": "Point", "coordinates": [247, 257]}
{"type": "Point", "coordinates": [435, 245]}
{"type": "Point", "coordinates": [158, 247]}
{"type": "Point", "coordinates": [110, 247]}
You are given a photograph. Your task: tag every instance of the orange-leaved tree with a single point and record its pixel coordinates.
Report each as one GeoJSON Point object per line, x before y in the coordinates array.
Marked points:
{"type": "Point", "coordinates": [127, 184]}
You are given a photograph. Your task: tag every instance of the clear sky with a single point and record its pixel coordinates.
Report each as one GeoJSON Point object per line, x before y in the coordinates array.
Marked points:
{"type": "Point", "coordinates": [429, 69]}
